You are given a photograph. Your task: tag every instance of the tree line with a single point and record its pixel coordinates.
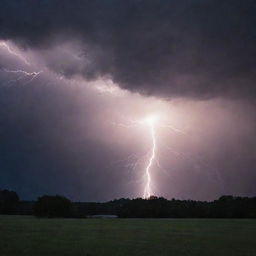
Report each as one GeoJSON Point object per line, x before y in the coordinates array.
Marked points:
{"type": "Point", "coordinates": [154, 207]}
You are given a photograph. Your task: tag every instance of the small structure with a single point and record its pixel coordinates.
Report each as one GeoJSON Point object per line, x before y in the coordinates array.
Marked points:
{"type": "Point", "coordinates": [103, 216]}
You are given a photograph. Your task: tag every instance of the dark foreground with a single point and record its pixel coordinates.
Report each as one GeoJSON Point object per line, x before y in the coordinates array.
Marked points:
{"type": "Point", "coordinates": [22, 235]}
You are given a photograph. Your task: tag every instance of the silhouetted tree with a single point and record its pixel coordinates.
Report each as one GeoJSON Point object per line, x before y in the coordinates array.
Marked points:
{"type": "Point", "coordinates": [52, 206]}
{"type": "Point", "coordinates": [8, 202]}
{"type": "Point", "coordinates": [226, 206]}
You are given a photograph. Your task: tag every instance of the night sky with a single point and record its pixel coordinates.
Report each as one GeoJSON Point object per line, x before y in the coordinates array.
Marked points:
{"type": "Point", "coordinates": [79, 78]}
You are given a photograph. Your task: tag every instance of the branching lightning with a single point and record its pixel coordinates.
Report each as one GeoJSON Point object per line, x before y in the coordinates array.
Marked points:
{"type": "Point", "coordinates": [23, 75]}
{"type": "Point", "coordinates": [150, 123]}
{"type": "Point", "coordinates": [154, 123]}
{"type": "Point", "coordinates": [13, 52]}
{"type": "Point", "coordinates": [148, 189]}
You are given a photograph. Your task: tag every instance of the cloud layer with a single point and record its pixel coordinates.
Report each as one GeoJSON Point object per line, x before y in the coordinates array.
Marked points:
{"type": "Point", "coordinates": [199, 49]}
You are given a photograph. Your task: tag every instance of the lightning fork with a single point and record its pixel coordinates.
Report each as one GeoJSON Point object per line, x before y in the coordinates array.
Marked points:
{"type": "Point", "coordinates": [24, 74]}
{"type": "Point", "coordinates": [12, 52]}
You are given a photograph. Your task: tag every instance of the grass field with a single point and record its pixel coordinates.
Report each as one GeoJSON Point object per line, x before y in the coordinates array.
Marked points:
{"type": "Point", "coordinates": [22, 235]}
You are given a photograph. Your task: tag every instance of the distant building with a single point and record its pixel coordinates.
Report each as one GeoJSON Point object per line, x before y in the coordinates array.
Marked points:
{"type": "Point", "coordinates": [106, 216]}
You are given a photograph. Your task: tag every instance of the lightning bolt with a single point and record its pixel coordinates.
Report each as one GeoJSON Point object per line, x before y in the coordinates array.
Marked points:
{"type": "Point", "coordinates": [23, 74]}
{"type": "Point", "coordinates": [150, 159]}
{"type": "Point", "coordinates": [148, 189]}
{"type": "Point", "coordinates": [12, 52]}
{"type": "Point", "coordinates": [150, 123]}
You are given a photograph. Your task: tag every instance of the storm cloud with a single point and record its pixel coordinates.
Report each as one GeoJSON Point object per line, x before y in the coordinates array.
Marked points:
{"type": "Point", "coordinates": [199, 49]}
{"type": "Point", "coordinates": [78, 75]}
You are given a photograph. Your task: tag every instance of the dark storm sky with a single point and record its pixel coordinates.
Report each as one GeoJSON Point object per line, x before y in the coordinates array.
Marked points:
{"type": "Point", "coordinates": [197, 57]}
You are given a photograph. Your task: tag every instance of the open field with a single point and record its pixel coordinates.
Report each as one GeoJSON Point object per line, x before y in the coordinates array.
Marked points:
{"type": "Point", "coordinates": [23, 235]}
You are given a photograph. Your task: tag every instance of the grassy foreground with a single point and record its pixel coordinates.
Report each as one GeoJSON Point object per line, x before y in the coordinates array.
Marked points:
{"type": "Point", "coordinates": [22, 235]}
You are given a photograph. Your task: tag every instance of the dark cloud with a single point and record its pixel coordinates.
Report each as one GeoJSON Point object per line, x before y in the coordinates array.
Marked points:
{"type": "Point", "coordinates": [200, 49]}
{"type": "Point", "coordinates": [60, 136]}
